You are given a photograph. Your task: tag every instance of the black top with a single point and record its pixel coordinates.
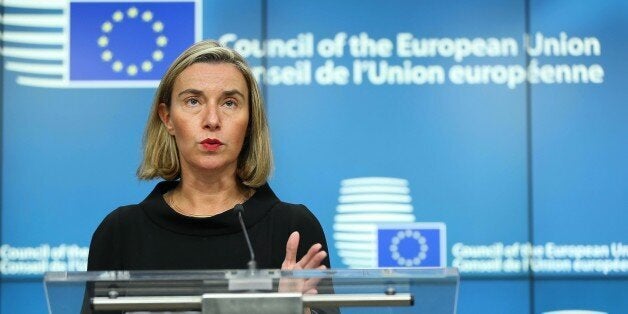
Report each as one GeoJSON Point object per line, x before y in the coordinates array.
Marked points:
{"type": "Point", "coordinates": [152, 236]}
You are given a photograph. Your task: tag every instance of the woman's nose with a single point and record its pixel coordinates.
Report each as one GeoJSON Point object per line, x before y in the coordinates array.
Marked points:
{"type": "Point", "coordinates": [211, 119]}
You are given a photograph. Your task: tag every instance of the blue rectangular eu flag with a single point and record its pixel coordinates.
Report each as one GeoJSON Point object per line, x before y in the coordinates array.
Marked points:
{"type": "Point", "coordinates": [412, 245]}
{"type": "Point", "coordinates": [128, 40]}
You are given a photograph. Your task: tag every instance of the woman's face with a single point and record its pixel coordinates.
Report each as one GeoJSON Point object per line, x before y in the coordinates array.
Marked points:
{"type": "Point", "coordinates": [208, 116]}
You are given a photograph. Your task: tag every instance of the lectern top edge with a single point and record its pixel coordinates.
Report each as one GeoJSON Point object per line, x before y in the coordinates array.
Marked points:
{"type": "Point", "coordinates": [339, 274]}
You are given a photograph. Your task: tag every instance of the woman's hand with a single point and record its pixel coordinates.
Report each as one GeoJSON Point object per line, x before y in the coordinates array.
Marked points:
{"type": "Point", "coordinates": [311, 260]}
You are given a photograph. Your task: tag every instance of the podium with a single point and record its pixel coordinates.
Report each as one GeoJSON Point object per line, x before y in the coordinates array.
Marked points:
{"type": "Point", "coordinates": [382, 290]}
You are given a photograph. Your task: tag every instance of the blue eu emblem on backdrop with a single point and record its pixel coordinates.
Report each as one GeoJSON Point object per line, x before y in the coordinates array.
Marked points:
{"type": "Point", "coordinates": [412, 245]}
{"type": "Point", "coordinates": [128, 41]}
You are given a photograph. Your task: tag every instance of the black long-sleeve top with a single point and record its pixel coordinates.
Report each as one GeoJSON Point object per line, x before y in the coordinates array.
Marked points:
{"type": "Point", "coordinates": [152, 236]}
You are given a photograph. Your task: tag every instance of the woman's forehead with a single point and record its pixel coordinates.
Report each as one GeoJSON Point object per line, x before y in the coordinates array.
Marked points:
{"type": "Point", "coordinates": [211, 77]}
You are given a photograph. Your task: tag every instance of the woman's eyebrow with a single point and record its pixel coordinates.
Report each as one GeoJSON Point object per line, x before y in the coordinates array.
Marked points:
{"type": "Point", "coordinates": [232, 92]}
{"type": "Point", "coordinates": [193, 91]}
{"type": "Point", "coordinates": [190, 91]}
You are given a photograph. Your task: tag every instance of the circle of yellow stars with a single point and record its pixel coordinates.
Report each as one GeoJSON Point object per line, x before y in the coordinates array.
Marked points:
{"type": "Point", "coordinates": [118, 17]}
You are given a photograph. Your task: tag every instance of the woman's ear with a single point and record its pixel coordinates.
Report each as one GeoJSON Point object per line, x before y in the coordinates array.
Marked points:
{"type": "Point", "coordinates": [164, 115]}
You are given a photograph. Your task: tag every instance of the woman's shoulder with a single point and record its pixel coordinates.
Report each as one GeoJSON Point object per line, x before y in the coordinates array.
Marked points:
{"type": "Point", "coordinates": [280, 210]}
{"type": "Point", "coordinates": [290, 209]}
{"type": "Point", "coordinates": [116, 218]}
{"type": "Point", "coordinates": [134, 212]}
{"type": "Point", "coordinates": [126, 211]}
{"type": "Point", "coordinates": [294, 216]}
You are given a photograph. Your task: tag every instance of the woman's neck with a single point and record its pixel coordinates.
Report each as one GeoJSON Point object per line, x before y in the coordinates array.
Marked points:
{"type": "Point", "coordinates": [207, 196]}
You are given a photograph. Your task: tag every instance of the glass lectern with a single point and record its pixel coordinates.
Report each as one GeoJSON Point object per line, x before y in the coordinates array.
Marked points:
{"type": "Point", "coordinates": [390, 290]}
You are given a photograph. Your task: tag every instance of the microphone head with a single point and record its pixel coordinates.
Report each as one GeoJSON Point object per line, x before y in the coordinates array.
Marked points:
{"type": "Point", "coordinates": [239, 209]}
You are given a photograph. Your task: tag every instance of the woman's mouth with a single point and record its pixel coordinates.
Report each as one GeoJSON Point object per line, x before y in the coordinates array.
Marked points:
{"type": "Point", "coordinates": [211, 144]}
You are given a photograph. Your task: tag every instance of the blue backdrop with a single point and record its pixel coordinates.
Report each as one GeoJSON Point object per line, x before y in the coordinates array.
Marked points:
{"type": "Point", "coordinates": [520, 153]}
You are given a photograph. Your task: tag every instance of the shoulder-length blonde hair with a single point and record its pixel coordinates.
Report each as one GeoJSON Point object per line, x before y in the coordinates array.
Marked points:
{"type": "Point", "coordinates": [161, 158]}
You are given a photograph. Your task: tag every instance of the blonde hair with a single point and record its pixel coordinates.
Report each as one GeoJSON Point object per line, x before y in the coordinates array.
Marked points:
{"type": "Point", "coordinates": [161, 157]}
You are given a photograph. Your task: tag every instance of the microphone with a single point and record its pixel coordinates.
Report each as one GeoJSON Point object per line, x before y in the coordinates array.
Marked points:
{"type": "Point", "coordinates": [240, 210]}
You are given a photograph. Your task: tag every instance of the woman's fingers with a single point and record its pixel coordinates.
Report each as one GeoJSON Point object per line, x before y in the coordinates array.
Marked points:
{"type": "Point", "coordinates": [309, 256]}
{"type": "Point", "coordinates": [315, 261]}
{"type": "Point", "coordinates": [311, 260]}
{"type": "Point", "coordinates": [291, 251]}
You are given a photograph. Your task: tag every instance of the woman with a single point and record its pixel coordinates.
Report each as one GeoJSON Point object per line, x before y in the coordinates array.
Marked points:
{"type": "Point", "coordinates": [207, 136]}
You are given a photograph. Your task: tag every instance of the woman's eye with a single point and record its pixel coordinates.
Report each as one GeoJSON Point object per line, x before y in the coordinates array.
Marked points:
{"type": "Point", "coordinates": [230, 103]}
{"type": "Point", "coordinates": [192, 102]}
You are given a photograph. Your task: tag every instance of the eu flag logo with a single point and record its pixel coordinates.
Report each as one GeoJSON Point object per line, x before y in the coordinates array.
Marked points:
{"type": "Point", "coordinates": [412, 245]}
{"type": "Point", "coordinates": [127, 41]}
{"type": "Point", "coordinates": [97, 43]}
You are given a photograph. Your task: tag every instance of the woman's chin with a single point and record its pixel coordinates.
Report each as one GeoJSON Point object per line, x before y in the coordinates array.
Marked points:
{"type": "Point", "coordinates": [215, 167]}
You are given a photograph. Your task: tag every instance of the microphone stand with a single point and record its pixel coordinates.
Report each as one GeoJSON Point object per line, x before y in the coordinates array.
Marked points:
{"type": "Point", "coordinates": [252, 264]}
{"type": "Point", "coordinates": [252, 280]}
